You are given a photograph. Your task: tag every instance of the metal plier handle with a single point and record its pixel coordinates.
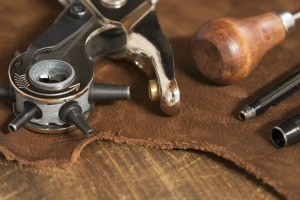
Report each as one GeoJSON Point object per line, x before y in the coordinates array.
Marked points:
{"type": "Point", "coordinates": [130, 30]}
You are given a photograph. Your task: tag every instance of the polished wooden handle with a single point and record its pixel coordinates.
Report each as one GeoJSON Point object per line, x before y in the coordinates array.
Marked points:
{"type": "Point", "coordinates": [227, 50]}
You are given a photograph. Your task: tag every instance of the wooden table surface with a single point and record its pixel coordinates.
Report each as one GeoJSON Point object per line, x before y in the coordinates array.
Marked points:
{"type": "Point", "coordinates": [112, 171]}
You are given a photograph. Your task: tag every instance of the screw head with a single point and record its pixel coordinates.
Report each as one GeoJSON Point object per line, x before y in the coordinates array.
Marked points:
{"type": "Point", "coordinates": [78, 10]}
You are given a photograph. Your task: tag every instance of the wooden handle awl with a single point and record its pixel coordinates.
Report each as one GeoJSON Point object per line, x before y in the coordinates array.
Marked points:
{"type": "Point", "coordinates": [227, 50]}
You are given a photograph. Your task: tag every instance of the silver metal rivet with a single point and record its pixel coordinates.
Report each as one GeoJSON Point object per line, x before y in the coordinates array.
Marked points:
{"type": "Point", "coordinates": [78, 10]}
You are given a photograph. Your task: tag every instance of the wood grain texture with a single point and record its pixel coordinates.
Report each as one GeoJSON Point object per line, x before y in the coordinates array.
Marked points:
{"type": "Point", "coordinates": [227, 50]}
{"type": "Point", "coordinates": [111, 171]}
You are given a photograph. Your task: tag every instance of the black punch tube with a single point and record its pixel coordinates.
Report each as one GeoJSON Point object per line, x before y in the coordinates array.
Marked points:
{"type": "Point", "coordinates": [71, 112]}
{"type": "Point", "coordinates": [287, 133]}
{"type": "Point", "coordinates": [5, 91]}
{"type": "Point", "coordinates": [108, 92]}
{"type": "Point", "coordinates": [30, 112]}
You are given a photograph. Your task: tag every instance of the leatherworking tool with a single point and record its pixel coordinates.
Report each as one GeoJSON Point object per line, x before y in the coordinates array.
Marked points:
{"type": "Point", "coordinates": [51, 83]}
{"type": "Point", "coordinates": [271, 97]}
{"type": "Point", "coordinates": [287, 133]}
{"type": "Point", "coordinates": [227, 50]}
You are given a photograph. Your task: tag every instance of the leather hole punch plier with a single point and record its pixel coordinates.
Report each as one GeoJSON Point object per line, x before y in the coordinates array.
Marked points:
{"type": "Point", "coordinates": [51, 83]}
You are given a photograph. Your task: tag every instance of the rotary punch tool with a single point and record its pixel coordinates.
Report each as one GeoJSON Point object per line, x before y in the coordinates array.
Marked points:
{"type": "Point", "coordinates": [51, 83]}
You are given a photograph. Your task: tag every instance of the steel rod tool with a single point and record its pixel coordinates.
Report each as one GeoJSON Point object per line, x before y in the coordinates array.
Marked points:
{"type": "Point", "coordinates": [271, 97]}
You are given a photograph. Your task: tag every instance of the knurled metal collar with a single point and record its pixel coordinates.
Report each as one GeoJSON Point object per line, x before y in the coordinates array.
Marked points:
{"type": "Point", "coordinates": [287, 19]}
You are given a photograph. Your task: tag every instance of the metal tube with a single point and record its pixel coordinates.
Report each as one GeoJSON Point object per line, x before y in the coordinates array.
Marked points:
{"type": "Point", "coordinates": [287, 133]}
{"type": "Point", "coordinates": [71, 112]}
{"type": "Point", "coordinates": [30, 112]}
{"type": "Point", "coordinates": [108, 92]}
{"type": "Point", "coordinates": [5, 91]}
{"type": "Point", "coordinates": [271, 97]}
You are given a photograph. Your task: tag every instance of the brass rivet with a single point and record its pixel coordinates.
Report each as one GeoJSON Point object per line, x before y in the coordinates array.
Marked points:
{"type": "Point", "coordinates": [153, 90]}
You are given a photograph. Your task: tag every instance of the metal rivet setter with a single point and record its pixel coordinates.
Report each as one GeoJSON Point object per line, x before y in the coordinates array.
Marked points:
{"type": "Point", "coordinates": [51, 83]}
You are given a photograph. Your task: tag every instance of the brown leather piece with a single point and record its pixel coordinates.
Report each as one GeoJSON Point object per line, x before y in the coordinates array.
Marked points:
{"type": "Point", "coordinates": [208, 119]}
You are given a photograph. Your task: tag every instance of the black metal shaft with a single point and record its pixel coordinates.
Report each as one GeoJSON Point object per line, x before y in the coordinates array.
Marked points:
{"type": "Point", "coordinates": [30, 112]}
{"type": "Point", "coordinates": [5, 91]}
{"type": "Point", "coordinates": [287, 133]}
{"type": "Point", "coordinates": [272, 97]}
{"type": "Point", "coordinates": [108, 92]}
{"type": "Point", "coordinates": [71, 112]}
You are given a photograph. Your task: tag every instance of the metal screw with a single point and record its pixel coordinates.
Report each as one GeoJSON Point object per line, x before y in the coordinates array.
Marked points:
{"type": "Point", "coordinates": [78, 10]}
